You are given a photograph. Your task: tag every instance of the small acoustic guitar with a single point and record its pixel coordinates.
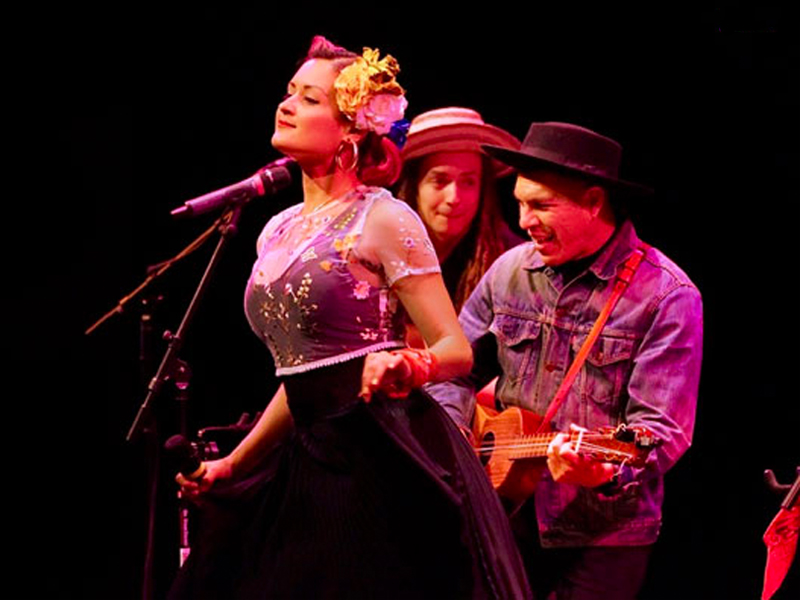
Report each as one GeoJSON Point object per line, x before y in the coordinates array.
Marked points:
{"type": "Point", "coordinates": [514, 455]}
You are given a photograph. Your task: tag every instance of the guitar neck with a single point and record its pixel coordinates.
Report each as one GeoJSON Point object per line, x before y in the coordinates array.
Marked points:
{"type": "Point", "coordinates": [531, 446]}
{"type": "Point", "coordinates": [514, 434]}
{"type": "Point", "coordinates": [601, 446]}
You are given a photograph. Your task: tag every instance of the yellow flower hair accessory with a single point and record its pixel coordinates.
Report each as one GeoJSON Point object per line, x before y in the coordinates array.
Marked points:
{"type": "Point", "coordinates": [368, 94]}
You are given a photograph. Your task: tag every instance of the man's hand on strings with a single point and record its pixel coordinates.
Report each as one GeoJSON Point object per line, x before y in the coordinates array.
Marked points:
{"type": "Point", "coordinates": [568, 466]}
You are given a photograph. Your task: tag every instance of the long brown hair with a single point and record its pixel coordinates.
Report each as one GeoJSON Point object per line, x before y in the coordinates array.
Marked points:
{"type": "Point", "coordinates": [480, 246]}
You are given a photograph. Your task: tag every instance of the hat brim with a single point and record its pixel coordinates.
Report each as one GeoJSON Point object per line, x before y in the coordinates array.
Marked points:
{"type": "Point", "coordinates": [462, 137]}
{"type": "Point", "coordinates": [525, 162]}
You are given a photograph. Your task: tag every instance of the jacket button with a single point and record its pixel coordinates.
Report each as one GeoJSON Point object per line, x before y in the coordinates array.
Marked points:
{"type": "Point", "coordinates": [550, 367]}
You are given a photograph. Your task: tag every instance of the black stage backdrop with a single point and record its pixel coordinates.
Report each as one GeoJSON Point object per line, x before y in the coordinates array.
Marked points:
{"type": "Point", "coordinates": [122, 113]}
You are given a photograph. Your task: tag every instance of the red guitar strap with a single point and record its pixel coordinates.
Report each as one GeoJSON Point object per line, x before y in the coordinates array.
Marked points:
{"type": "Point", "coordinates": [620, 285]}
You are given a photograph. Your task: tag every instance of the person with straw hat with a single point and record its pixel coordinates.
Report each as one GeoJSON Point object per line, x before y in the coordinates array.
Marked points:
{"type": "Point", "coordinates": [589, 526]}
{"type": "Point", "coordinates": [451, 183]}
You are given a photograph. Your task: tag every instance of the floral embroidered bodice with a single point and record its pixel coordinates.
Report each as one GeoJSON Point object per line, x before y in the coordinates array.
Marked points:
{"type": "Point", "coordinates": [320, 291]}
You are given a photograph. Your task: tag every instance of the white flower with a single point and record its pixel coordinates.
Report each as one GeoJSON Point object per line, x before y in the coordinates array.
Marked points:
{"type": "Point", "coordinates": [361, 290]}
{"type": "Point", "coordinates": [308, 255]}
{"type": "Point", "coordinates": [381, 112]}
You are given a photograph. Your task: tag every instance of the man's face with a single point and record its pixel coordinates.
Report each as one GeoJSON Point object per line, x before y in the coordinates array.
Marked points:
{"type": "Point", "coordinates": [554, 213]}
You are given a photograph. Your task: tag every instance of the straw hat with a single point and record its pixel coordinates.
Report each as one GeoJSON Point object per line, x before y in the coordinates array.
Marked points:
{"type": "Point", "coordinates": [455, 129]}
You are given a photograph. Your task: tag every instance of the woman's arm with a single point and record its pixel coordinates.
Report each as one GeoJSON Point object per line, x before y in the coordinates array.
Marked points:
{"type": "Point", "coordinates": [427, 302]}
{"type": "Point", "coordinates": [271, 428]}
{"type": "Point", "coordinates": [395, 238]}
{"type": "Point", "coordinates": [274, 424]}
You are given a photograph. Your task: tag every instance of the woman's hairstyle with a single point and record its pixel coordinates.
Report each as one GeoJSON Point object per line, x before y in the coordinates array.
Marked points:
{"type": "Point", "coordinates": [325, 49]}
{"type": "Point", "coordinates": [379, 161]}
{"type": "Point", "coordinates": [480, 246]}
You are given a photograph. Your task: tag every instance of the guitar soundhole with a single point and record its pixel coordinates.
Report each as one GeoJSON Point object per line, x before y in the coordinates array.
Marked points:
{"type": "Point", "coordinates": [487, 445]}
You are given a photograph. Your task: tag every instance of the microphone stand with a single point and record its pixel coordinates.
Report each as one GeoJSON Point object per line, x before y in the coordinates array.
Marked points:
{"type": "Point", "coordinates": [152, 455]}
{"type": "Point", "coordinates": [170, 367]}
{"type": "Point", "coordinates": [154, 273]}
{"type": "Point", "coordinates": [226, 223]}
{"type": "Point", "coordinates": [175, 370]}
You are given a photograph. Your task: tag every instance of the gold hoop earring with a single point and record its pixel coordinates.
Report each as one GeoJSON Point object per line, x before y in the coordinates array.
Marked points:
{"type": "Point", "coordinates": [353, 158]}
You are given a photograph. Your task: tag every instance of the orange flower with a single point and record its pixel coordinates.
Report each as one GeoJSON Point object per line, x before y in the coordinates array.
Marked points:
{"type": "Point", "coordinates": [368, 76]}
{"type": "Point", "coordinates": [344, 245]}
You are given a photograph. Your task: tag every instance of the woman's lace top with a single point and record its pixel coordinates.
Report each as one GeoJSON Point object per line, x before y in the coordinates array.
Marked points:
{"type": "Point", "coordinates": [321, 289]}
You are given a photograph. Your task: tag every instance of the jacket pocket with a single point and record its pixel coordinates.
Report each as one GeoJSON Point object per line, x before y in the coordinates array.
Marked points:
{"type": "Point", "coordinates": [517, 340]}
{"type": "Point", "coordinates": [605, 371]}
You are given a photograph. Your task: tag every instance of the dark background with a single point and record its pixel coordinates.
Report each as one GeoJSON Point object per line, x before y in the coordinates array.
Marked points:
{"type": "Point", "coordinates": [120, 114]}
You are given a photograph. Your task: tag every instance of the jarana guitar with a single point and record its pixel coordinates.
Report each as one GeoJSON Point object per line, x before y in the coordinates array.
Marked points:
{"type": "Point", "coordinates": [514, 454]}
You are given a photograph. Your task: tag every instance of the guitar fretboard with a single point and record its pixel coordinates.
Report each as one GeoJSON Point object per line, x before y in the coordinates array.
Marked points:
{"type": "Point", "coordinates": [586, 443]}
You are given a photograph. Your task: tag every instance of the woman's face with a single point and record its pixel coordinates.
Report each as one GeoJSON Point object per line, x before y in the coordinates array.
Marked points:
{"type": "Point", "coordinates": [307, 124]}
{"type": "Point", "coordinates": [449, 193]}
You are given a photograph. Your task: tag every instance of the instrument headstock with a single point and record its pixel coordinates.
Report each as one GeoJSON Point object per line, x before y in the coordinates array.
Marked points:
{"type": "Point", "coordinates": [622, 444]}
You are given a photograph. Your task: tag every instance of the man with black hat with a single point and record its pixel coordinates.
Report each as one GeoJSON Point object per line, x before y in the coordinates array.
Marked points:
{"type": "Point", "coordinates": [588, 529]}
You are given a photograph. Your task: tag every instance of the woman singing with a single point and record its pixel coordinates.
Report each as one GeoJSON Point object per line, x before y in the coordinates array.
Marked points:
{"type": "Point", "coordinates": [368, 489]}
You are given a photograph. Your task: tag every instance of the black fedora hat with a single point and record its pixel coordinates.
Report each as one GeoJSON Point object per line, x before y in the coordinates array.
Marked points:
{"type": "Point", "coordinates": [570, 150]}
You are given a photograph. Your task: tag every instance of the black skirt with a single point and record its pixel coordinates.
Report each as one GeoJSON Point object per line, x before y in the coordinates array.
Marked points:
{"type": "Point", "coordinates": [377, 500]}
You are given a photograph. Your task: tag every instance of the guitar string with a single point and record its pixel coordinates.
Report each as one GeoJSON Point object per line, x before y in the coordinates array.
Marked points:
{"type": "Point", "coordinates": [601, 452]}
{"type": "Point", "coordinates": [573, 436]}
{"type": "Point", "coordinates": [523, 441]}
{"type": "Point", "coordinates": [547, 443]}
{"type": "Point", "coordinates": [543, 447]}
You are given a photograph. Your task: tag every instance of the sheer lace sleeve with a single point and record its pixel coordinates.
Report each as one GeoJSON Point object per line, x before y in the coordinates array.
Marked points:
{"type": "Point", "coordinates": [394, 237]}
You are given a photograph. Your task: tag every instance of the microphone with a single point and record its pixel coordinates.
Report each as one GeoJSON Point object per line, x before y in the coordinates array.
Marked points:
{"type": "Point", "coordinates": [185, 456]}
{"type": "Point", "coordinates": [266, 181]}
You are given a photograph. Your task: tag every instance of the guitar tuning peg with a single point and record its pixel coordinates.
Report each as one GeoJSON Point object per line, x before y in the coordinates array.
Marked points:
{"type": "Point", "coordinates": [648, 440]}
{"type": "Point", "coordinates": [624, 434]}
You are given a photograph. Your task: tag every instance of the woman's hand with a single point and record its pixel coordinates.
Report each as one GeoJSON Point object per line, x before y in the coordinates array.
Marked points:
{"type": "Point", "coordinates": [213, 471]}
{"type": "Point", "coordinates": [384, 371]}
{"type": "Point", "coordinates": [273, 426]}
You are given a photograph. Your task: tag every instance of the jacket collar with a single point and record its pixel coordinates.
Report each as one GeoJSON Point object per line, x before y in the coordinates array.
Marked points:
{"type": "Point", "coordinates": [614, 253]}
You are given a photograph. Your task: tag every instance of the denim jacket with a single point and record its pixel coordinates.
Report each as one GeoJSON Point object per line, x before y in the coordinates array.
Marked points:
{"type": "Point", "coordinates": [526, 325]}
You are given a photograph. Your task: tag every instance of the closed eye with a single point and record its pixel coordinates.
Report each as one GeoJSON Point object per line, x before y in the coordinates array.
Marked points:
{"type": "Point", "coordinates": [535, 204]}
